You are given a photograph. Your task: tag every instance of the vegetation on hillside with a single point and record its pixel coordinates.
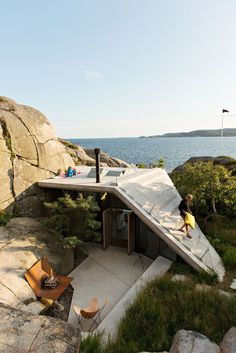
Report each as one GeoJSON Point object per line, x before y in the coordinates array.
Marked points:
{"type": "Point", "coordinates": [214, 190]}
{"type": "Point", "coordinates": [213, 187]}
{"type": "Point", "coordinates": [198, 133]}
{"type": "Point", "coordinates": [71, 221]}
{"type": "Point", "coordinates": [161, 309]}
{"type": "Point", "coordinates": [221, 232]}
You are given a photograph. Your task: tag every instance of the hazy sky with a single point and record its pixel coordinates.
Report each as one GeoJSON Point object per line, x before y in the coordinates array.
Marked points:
{"type": "Point", "coordinates": [104, 68]}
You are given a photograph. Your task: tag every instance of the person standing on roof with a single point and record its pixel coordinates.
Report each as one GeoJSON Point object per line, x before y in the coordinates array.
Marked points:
{"type": "Point", "coordinates": [184, 208]}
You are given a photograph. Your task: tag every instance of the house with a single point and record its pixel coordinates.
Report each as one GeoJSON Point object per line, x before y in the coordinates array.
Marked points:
{"type": "Point", "coordinates": [139, 211]}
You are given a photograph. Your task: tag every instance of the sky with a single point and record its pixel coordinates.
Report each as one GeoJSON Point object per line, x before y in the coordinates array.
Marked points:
{"type": "Point", "coordinates": [113, 68]}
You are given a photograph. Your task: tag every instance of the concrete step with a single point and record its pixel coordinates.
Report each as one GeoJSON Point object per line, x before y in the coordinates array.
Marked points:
{"type": "Point", "coordinates": [109, 325]}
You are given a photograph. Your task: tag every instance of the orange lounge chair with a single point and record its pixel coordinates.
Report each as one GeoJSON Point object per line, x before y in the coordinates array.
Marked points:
{"type": "Point", "coordinates": [92, 312]}
{"type": "Point", "coordinates": [35, 275]}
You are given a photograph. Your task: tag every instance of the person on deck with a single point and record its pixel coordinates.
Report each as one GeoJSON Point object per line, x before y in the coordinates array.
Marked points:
{"type": "Point", "coordinates": [184, 207]}
{"type": "Point", "coordinates": [69, 172]}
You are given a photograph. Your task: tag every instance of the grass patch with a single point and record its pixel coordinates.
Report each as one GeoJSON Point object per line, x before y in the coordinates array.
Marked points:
{"type": "Point", "coordinates": [220, 227]}
{"type": "Point", "coordinates": [229, 257]}
{"type": "Point", "coordinates": [183, 268]}
{"type": "Point", "coordinates": [162, 308]}
{"type": "Point", "coordinates": [92, 344]}
{"type": "Point", "coordinates": [221, 232]}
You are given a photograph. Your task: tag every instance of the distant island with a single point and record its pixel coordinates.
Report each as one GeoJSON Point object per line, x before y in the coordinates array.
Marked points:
{"type": "Point", "coordinates": [197, 133]}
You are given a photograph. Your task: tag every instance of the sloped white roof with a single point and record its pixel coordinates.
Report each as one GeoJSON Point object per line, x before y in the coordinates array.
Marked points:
{"type": "Point", "coordinates": [158, 197]}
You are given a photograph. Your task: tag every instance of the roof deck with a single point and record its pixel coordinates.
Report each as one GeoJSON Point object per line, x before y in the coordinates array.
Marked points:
{"type": "Point", "coordinates": [83, 181]}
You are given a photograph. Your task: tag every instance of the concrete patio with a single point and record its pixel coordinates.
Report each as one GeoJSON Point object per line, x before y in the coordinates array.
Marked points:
{"type": "Point", "coordinates": [104, 274]}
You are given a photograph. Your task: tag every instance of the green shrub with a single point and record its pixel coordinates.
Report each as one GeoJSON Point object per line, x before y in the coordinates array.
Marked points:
{"type": "Point", "coordinates": [207, 278]}
{"type": "Point", "coordinates": [213, 187]}
{"type": "Point", "coordinates": [181, 268]}
{"type": "Point", "coordinates": [71, 221]}
{"type": "Point", "coordinates": [218, 244]}
{"type": "Point", "coordinates": [234, 172]}
{"type": "Point", "coordinates": [159, 164]}
{"type": "Point", "coordinates": [221, 228]}
{"type": "Point", "coordinates": [4, 218]}
{"type": "Point", "coordinates": [229, 257]}
{"type": "Point", "coordinates": [142, 165]}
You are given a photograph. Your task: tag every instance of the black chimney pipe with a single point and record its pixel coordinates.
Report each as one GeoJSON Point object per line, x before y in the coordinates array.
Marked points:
{"type": "Point", "coordinates": [97, 155]}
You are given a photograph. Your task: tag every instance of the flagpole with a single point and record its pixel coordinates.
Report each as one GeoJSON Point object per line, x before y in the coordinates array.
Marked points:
{"type": "Point", "coordinates": [222, 132]}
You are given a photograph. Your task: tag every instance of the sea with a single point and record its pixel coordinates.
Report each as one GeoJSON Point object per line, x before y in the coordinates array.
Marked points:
{"type": "Point", "coordinates": [174, 150]}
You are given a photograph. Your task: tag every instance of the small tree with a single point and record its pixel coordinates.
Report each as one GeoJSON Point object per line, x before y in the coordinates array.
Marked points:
{"type": "Point", "coordinates": [72, 220]}
{"type": "Point", "coordinates": [213, 187]}
{"type": "Point", "coordinates": [142, 165]}
{"type": "Point", "coordinates": [159, 164]}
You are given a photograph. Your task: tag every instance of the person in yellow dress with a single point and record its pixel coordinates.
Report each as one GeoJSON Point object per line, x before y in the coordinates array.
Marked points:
{"type": "Point", "coordinates": [184, 208]}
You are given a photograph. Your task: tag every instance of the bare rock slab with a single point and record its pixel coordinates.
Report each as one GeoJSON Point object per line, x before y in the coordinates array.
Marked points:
{"type": "Point", "coordinates": [24, 332]}
{"type": "Point", "coordinates": [193, 342]}
{"type": "Point", "coordinates": [233, 284]}
{"type": "Point", "coordinates": [29, 152]}
{"type": "Point", "coordinates": [228, 344]}
{"type": "Point", "coordinates": [22, 243]}
{"type": "Point", "coordinates": [179, 278]}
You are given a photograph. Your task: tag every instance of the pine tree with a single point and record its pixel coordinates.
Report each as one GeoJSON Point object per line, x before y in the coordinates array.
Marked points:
{"type": "Point", "coordinates": [72, 221]}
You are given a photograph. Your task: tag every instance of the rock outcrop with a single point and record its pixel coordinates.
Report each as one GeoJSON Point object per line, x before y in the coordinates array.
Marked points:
{"type": "Point", "coordinates": [22, 332]}
{"type": "Point", "coordinates": [86, 156]}
{"type": "Point", "coordinates": [22, 243]}
{"type": "Point", "coordinates": [107, 160]}
{"type": "Point", "coordinates": [29, 152]}
{"type": "Point", "coordinates": [192, 342]}
{"type": "Point", "coordinates": [228, 344]}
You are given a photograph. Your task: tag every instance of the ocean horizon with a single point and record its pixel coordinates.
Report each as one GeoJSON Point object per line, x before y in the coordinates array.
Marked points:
{"type": "Point", "coordinates": [174, 150]}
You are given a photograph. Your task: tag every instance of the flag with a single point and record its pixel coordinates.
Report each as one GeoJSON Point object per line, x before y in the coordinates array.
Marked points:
{"type": "Point", "coordinates": [225, 111]}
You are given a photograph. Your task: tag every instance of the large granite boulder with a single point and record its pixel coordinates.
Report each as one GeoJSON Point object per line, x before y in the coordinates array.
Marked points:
{"type": "Point", "coordinates": [29, 152]}
{"type": "Point", "coordinates": [192, 342]}
{"type": "Point", "coordinates": [22, 242]}
{"type": "Point", "coordinates": [22, 332]}
{"type": "Point", "coordinates": [107, 160]}
{"type": "Point", "coordinates": [228, 344]}
{"type": "Point", "coordinates": [86, 156]}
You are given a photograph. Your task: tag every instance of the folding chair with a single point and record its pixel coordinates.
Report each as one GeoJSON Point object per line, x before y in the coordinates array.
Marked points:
{"type": "Point", "coordinates": [92, 312]}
